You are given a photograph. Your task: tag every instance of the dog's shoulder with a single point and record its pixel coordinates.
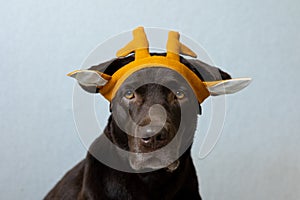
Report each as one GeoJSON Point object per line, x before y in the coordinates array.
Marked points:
{"type": "Point", "coordinates": [70, 185]}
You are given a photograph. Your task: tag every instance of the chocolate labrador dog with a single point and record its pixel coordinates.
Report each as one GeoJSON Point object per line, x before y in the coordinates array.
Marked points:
{"type": "Point", "coordinates": [161, 104]}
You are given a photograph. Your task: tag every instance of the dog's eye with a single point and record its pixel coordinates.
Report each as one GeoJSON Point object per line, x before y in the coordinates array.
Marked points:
{"type": "Point", "coordinates": [179, 94]}
{"type": "Point", "coordinates": [129, 94]}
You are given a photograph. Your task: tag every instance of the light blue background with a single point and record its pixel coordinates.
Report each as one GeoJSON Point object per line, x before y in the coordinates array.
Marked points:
{"type": "Point", "coordinates": [257, 156]}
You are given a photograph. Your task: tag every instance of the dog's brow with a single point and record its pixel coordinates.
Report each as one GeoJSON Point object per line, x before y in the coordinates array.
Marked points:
{"type": "Point", "coordinates": [172, 83]}
{"type": "Point", "coordinates": [158, 75]}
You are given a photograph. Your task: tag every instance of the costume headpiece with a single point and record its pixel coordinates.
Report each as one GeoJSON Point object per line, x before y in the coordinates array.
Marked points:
{"type": "Point", "coordinates": [108, 85]}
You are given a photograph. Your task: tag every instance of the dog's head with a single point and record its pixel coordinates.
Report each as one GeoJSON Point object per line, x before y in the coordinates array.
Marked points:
{"type": "Point", "coordinates": [157, 109]}
{"type": "Point", "coordinates": [154, 109]}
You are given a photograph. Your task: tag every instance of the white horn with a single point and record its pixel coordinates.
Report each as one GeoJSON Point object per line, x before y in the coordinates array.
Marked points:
{"type": "Point", "coordinates": [89, 77]}
{"type": "Point", "coordinates": [229, 86]}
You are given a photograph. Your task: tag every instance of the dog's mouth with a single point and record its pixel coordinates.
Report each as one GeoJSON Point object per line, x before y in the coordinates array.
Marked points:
{"type": "Point", "coordinates": [161, 150]}
{"type": "Point", "coordinates": [163, 158]}
{"type": "Point", "coordinates": [154, 163]}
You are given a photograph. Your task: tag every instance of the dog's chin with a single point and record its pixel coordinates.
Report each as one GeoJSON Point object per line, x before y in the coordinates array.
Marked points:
{"type": "Point", "coordinates": [153, 163]}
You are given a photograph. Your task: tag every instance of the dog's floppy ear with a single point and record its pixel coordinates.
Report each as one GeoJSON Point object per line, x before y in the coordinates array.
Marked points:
{"type": "Point", "coordinates": [96, 76]}
{"type": "Point", "coordinates": [217, 81]}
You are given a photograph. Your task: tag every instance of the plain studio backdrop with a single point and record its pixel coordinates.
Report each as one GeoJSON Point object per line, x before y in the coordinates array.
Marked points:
{"type": "Point", "coordinates": [257, 156]}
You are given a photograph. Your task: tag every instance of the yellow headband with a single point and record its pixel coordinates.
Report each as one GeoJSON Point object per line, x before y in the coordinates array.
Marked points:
{"type": "Point", "coordinates": [139, 45]}
{"type": "Point", "coordinates": [108, 85]}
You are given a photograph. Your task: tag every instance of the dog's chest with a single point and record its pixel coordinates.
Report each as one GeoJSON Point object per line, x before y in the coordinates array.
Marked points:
{"type": "Point", "coordinates": [116, 188]}
{"type": "Point", "coordinates": [124, 187]}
